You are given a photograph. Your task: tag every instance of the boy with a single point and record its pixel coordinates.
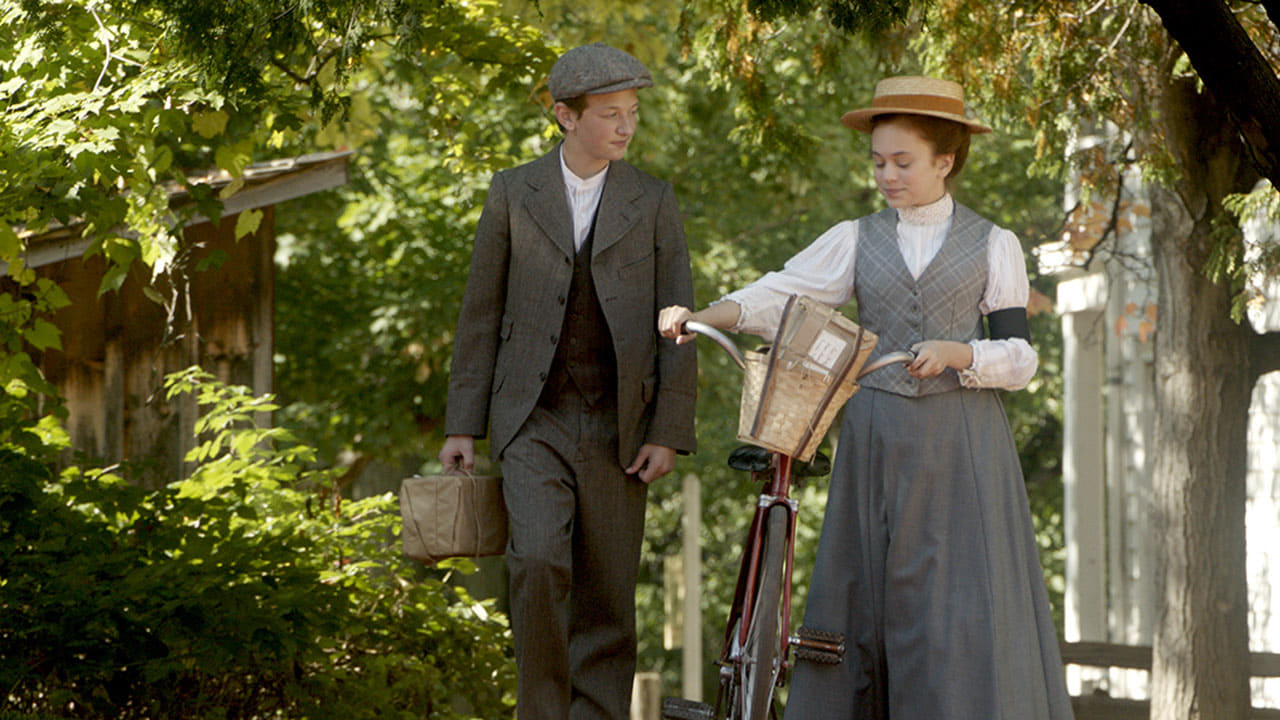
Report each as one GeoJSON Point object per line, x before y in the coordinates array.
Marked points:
{"type": "Point", "coordinates": [556, 355]}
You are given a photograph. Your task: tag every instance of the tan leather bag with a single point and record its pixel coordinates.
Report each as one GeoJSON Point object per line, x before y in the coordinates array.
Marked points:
{"type": "Point", "coordinates": [453, 515]}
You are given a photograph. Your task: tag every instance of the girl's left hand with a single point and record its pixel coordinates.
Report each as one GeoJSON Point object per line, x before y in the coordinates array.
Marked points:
{"type": "Point", "coordinates": [934, 356]}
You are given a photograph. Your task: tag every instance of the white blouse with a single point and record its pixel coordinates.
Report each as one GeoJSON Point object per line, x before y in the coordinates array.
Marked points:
{"type": "Point", "coordinates": [824, 271]}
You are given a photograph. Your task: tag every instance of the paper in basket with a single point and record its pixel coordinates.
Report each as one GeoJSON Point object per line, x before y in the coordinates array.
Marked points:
{"type": "Point", "coordinates": [452, 515]}
{"type": "Point", "coordinates": [794, 391]}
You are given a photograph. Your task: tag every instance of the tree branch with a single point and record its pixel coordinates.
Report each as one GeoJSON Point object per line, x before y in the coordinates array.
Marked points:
{"type": "Point", "coordinates": [1234, 71]}
{"type": "Point", "coordinates": [1264, 354]}
{"type": "Point", "coordinates": [1273, 10]}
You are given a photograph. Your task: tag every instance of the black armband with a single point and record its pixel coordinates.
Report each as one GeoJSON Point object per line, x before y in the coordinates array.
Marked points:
{"type": "Point", "coordinates": [1008, 323]}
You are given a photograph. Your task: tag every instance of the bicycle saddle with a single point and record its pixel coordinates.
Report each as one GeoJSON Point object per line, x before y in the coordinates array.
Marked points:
{"type": "Point", "coordinates": [751, 458]}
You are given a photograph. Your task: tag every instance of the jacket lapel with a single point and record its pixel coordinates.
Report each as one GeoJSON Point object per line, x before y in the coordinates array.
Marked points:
{"type": "Point", "coordinates": [546, 202]}
{"type": "Point", "coordinates": [617, 211]}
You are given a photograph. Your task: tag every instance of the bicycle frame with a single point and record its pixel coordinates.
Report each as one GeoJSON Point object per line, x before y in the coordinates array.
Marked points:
{"type": "Point", "coordinates": [777, 491]}
{"type": "Point", "coordinates": [751, 585]}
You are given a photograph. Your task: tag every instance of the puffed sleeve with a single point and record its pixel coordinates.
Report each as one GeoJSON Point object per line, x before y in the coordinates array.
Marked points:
{"type": "Point", "coordinates": [1009, 363]}
{"type": "Point", "coordinates": [823, 271]}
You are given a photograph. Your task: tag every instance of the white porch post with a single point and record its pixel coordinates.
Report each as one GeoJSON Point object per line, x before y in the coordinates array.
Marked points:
{"type": "Point", "coordinates": [1081, 302]}
{"type": "Point", "coordinates": [691, 530]}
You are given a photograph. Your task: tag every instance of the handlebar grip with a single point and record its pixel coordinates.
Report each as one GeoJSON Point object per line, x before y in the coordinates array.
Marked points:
{"type": "Point", "coordinates": [723, 341]}
{"type": "Point", "coordinates": [900, 356]}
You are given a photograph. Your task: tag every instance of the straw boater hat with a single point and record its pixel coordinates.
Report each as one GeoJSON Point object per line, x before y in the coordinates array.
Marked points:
{"type": "Point", "coordinates": [914, 95]}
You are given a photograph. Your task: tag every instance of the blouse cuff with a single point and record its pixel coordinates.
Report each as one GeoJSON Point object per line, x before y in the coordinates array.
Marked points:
{"type": "Point", "coordinates": [1007, 364]}
{"type": "Point", "coordinates": [754, 313]}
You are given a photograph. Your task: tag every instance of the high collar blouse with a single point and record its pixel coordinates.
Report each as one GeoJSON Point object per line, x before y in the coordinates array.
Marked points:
{"type": "Point", "coordinates": [824, 271]}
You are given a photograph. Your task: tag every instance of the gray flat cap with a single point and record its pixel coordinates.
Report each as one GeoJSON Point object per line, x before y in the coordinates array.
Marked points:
{"type": "Point", "coordinates": [594, 69]}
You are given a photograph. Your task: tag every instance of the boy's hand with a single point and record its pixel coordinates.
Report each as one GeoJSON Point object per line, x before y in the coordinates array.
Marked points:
{"type": "Point", "coordinates": [652, 462]}
{"type": "Point", "coordinates": [459, 451]}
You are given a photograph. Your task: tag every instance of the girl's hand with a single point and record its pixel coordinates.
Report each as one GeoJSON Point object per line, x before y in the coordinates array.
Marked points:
{"type": "Point", "coordinates": [934, 356]}
{"type": "Point", "coordinates": [671, 322]}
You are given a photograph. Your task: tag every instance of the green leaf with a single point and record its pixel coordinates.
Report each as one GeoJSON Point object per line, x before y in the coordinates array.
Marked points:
{"type": "Point", "coordinates": [163, 159]}
{"type": "Point", "coordinates": [43, 335]}
{"type": "Point", "coordinates": [248, 222]}
{"type": "Point", "coordinates": [215, 259]}
{"type": "Point", "coordinates": [10, 245]}
{"type": "Point", "coordinates": [113, 279]}
{"type": "Point", "coordinates": [208, 124]}
{"type": "Point", "coordinates": [235, 158]}
{"type": "Point", "coordinates": [52, 296]}
{"type": "Point", "coordinates": [153, 295]}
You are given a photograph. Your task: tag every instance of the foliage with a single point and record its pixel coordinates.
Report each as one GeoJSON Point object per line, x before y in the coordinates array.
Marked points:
{"type": "Point", "coordinates": [114, 108]}
{"type": "Point", "coordinates": [233, 593]}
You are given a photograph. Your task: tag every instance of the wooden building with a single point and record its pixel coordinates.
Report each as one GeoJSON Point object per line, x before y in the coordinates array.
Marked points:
{"type": "Point", "coordinates": [118, 347]}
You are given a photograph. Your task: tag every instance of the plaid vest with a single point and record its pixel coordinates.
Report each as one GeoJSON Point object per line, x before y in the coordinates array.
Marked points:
{"type": "Point", "coordinates": [941, 305]}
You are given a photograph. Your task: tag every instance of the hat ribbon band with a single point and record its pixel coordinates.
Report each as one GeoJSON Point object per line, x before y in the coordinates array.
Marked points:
{"type": "Point", "coordinates": [931, 103]}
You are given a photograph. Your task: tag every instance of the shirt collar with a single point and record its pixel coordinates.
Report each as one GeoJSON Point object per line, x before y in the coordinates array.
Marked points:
{"type": "Point", "coordinates": [935, 213]}
{"type": "Point", "coordinates": [577, 184]}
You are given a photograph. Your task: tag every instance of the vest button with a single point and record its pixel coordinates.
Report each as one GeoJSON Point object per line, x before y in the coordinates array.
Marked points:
{"type": "Point", "coordinates": [555, 339]}
{"type": "Point", "coordinates": [542, 377]}
{"type": "Point", "coordinates": [560, 299]}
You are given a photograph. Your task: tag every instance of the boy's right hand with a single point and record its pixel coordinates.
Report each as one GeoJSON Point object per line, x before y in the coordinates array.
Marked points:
{"type": "Point", "coordinates": [459, 451]}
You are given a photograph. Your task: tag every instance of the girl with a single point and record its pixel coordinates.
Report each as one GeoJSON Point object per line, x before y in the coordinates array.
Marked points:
{"type": "Point", "coordinates": [927, 564]}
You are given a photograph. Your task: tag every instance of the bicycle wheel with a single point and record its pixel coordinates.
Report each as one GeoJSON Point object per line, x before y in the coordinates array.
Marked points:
{"type": "Point", "coordinates": [760, 662]}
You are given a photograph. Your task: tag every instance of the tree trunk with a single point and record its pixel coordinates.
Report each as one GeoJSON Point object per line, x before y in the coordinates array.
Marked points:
{"type": "Point", "coordinates": [1200, 667]}
{"type": "Point", "coordinates": [1234, 70]}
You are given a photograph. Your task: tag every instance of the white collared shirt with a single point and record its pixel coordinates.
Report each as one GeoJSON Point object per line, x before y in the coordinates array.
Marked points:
{"type": "Point", "coordinates": [584, 199]}
{"type": "Point", "coordinates": [824, 271]}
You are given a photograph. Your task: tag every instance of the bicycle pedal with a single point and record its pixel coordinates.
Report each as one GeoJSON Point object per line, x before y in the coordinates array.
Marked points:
{"type": "Point", "coordinates": [681, 709]}
{"type": "Point", "coordinates": [819, 646]}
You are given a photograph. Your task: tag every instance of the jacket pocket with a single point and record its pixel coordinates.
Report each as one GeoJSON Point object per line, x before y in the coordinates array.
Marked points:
{"type": "Point", "coordinates": [648, 389]}
{"type": "Point", "coordinates": [642, 263]}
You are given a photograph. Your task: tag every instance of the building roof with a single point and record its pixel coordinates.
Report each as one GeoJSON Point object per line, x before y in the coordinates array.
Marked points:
{"type": "Point", "coordinates": [265, 183]}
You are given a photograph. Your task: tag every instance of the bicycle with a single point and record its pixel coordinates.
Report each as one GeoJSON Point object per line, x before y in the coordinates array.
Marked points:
{"type": "Point", "coordinates": [754, 658]}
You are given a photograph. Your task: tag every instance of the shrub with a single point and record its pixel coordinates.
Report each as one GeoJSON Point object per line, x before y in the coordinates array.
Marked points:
{"type": "Point", "coordinates": [236, 593]}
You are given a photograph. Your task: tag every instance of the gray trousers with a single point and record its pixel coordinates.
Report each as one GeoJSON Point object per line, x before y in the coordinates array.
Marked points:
{"type": "Point", "coordinates": [576, 524]}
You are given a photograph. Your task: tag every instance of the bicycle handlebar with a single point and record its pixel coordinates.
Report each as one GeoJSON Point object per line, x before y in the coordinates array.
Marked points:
{"type": "Point", "coordinates": [693, 326]}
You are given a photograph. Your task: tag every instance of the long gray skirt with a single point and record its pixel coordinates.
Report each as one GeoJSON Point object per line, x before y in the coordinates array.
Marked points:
{"type": "Point", "coordinates": [928, 565]}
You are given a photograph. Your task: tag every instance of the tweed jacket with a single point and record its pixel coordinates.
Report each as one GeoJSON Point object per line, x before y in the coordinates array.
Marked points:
{"type": "Point", "coordinates": [514, 305]}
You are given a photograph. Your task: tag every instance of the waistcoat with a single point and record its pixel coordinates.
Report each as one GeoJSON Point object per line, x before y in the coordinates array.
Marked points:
{"type": "Point", "coordinates": [584, 354]}
{"type": "Point", "coordinates": [942, 304]}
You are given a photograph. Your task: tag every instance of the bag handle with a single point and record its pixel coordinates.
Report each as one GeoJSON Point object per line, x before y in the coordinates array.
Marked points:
{"type": "Point", "coordinates": [475, 506]}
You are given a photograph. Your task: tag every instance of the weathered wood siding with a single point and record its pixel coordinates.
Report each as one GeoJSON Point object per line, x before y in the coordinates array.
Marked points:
{"type": "Point", "coordinates": [117, 348]}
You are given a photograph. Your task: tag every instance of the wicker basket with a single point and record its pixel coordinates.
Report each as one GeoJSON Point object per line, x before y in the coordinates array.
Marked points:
{"type": "Point", "coordinates": [794, 390]}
